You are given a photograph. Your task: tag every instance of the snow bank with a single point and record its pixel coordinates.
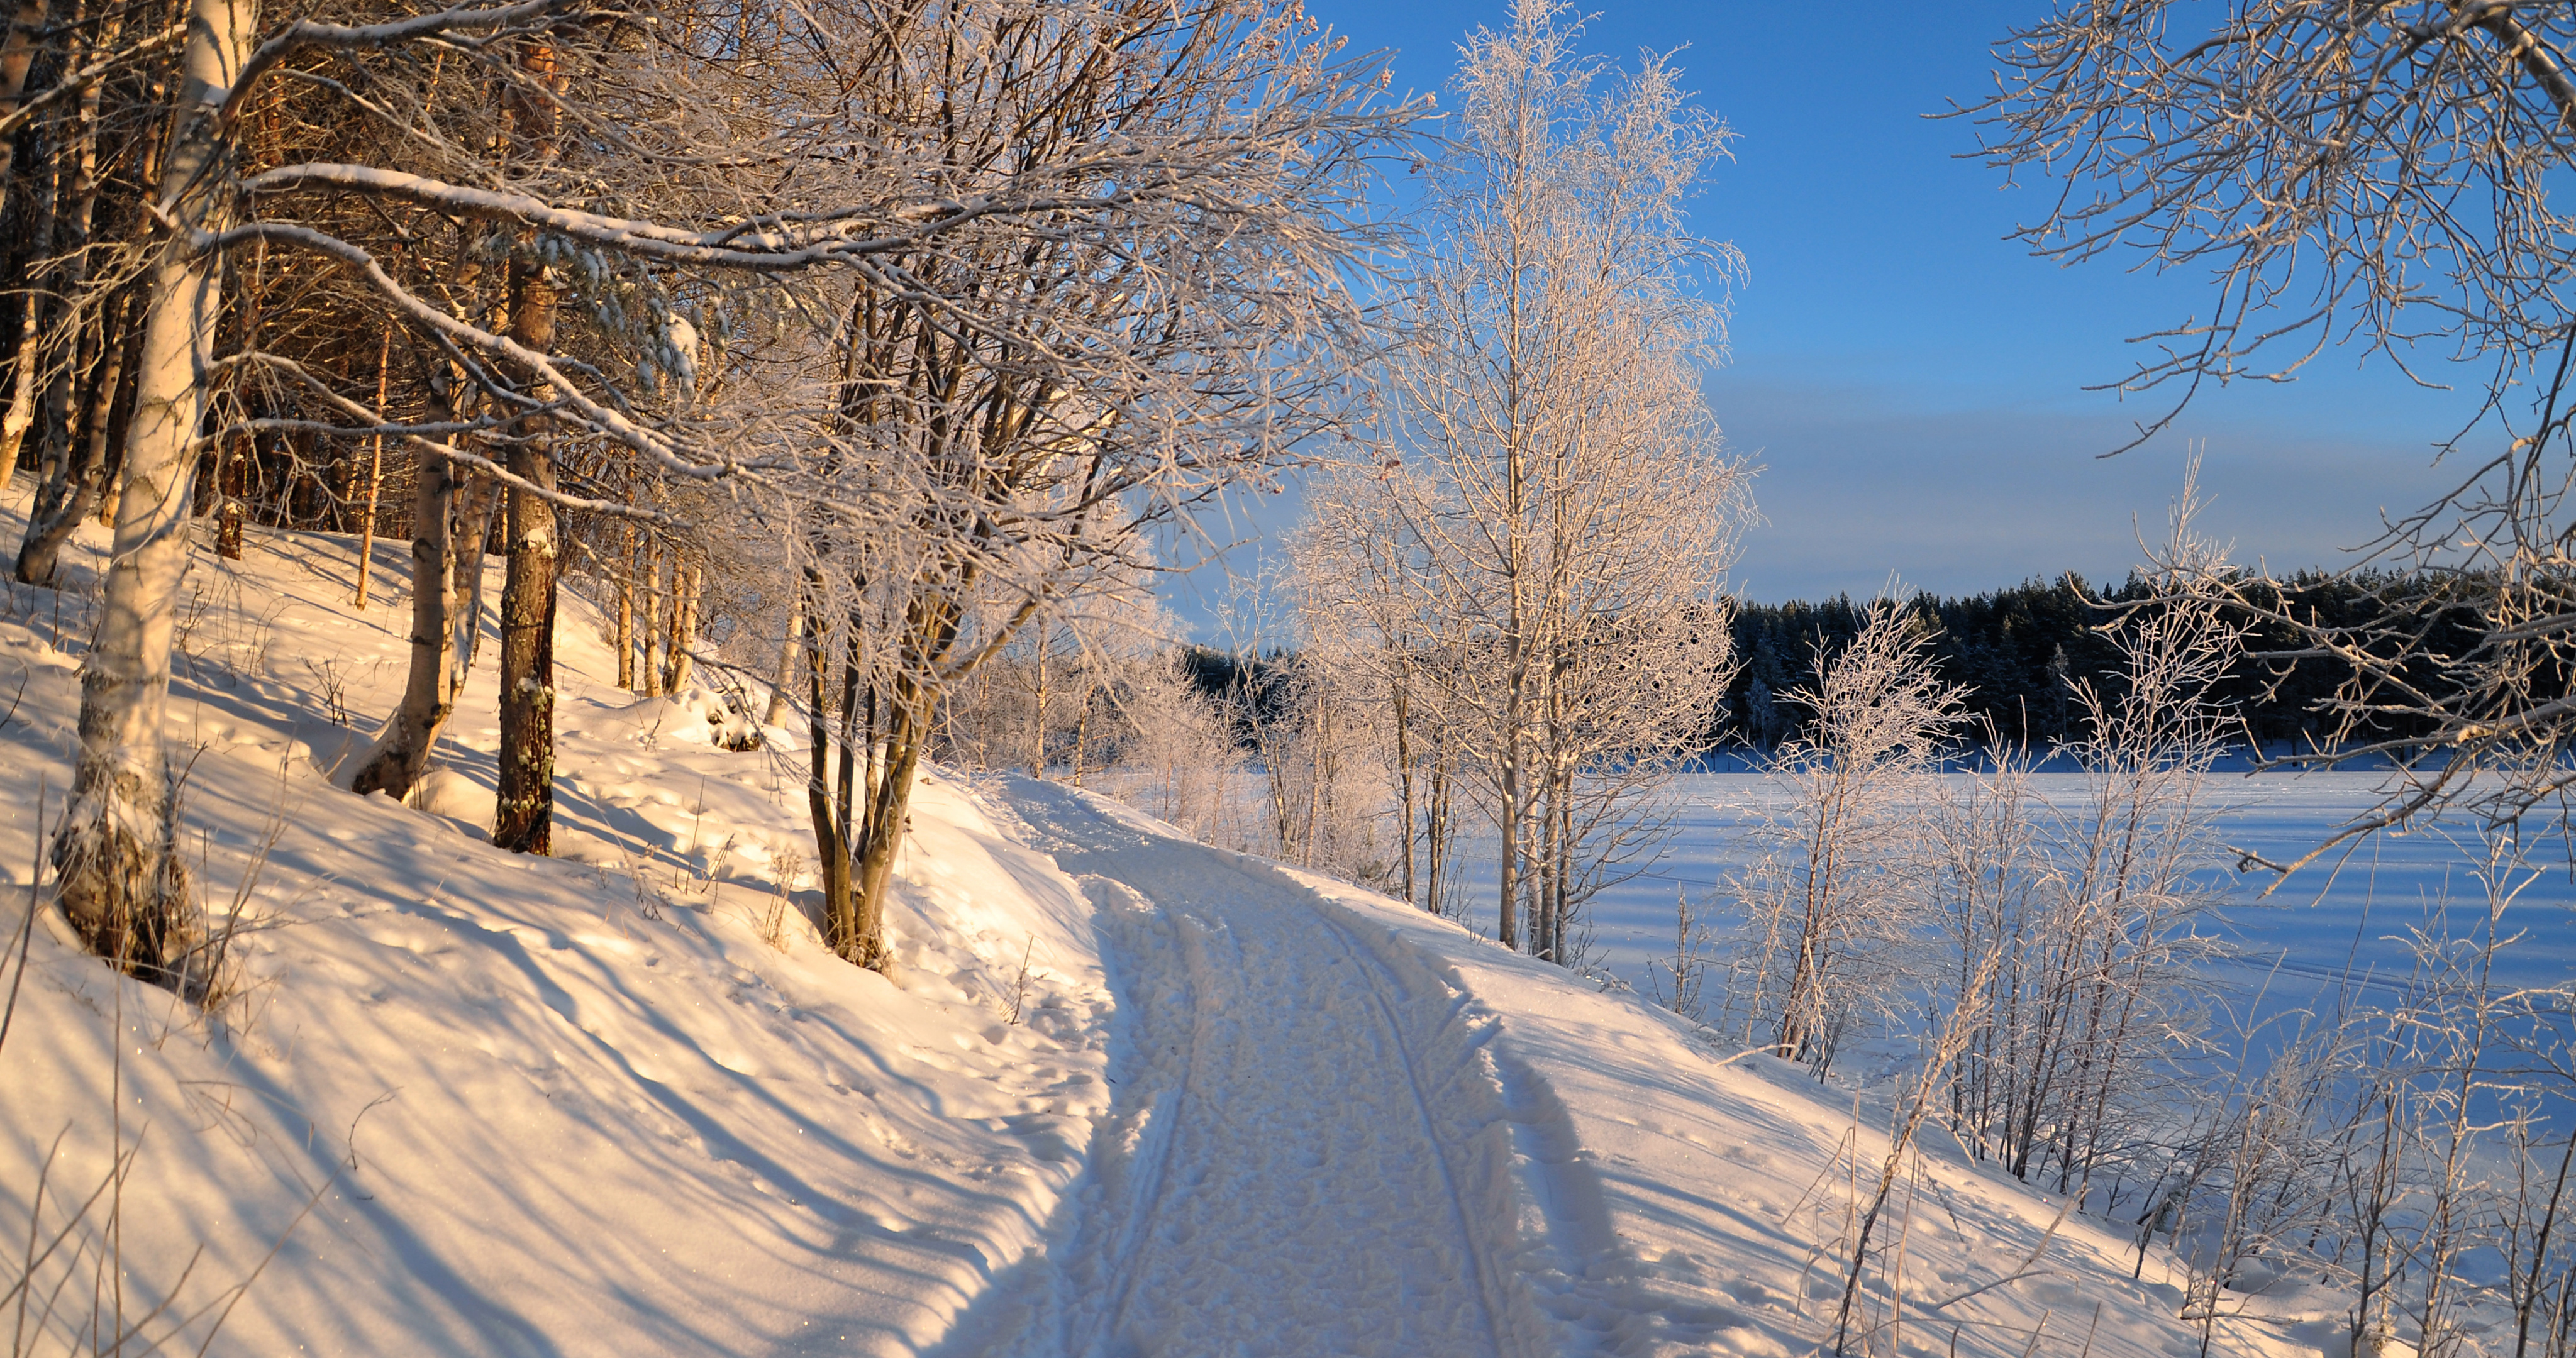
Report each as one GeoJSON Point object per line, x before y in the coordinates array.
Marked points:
{"type": "Point", "coordinates": [479, 1103]}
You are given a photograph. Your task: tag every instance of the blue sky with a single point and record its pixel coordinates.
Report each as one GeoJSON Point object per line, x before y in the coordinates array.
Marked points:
{"type": "Point", "coordinates": [1912, 381]}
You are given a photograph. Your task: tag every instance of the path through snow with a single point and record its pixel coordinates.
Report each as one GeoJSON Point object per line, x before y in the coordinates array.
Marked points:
{"type": "Point", "coordinates": [1305, 1153]}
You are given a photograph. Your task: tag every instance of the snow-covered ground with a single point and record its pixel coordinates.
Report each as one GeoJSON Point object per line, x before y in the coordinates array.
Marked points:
{"type": "Point", "coordinates": [619, 1102]}
{"type": "Point", "coordinates": [2347, 913]}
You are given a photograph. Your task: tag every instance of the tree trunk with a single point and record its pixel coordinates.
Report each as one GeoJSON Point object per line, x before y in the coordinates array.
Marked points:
{"type": "Point", "coordinates": [50, 517]}
{"type": "Point", "coordinates": [1507, 892]}
{"type": "Point", "coordinates": [523, 819]}
{"type": "Point", "coordinates": [787, 649]}
{"type": "Point", "coordinates": [118, 410]}
{"type": "Point", "coordinates": [79, 481]}
{"type": "Point", "coordinates": [120, 880]}
{"type": "Point", "coordinates": [429, 690]}
{"type": "Point", "coordinates": [1082, 726]}
{"type": "Point", "coordinates": [1037, 712]}
{"type": "Point", "coordinates": [831, 844]}
{"type": "Point", "coordinates": [375, 468]}
{"type": "Point", "coordinates": [232, 483]}
{"type": "Point", "coordinates": [17, 55]}
{"type": "Point", "coordinates": [863, 942]}
{"type": "Point", "coordinates": [113, 403]}
{"type": "Point", "coordinates": [478, 495]}
{"type": "Point", "coordinates": [31, 319]}
{"type": "Point", "coordinates": [654, 627]}
{"type": "Point", "coordinates": [73, 466]}
{"type": "Point", "coordinates": [1435, 820]}
{"type": "Point", "coordinates": [1562, 850]}
{"type": "Point", "coordinates": [626, 606]}
{"type": "Point", "coordinates": [1404, 782]}
{"type": "Point", "coordinates": [687, 577]}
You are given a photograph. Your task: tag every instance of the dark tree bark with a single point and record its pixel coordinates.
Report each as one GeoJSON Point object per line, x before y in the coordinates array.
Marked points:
{"type": "Point", "coordinates": [523, 820]}
{"type": "Point", "coordinates": [232, 484]}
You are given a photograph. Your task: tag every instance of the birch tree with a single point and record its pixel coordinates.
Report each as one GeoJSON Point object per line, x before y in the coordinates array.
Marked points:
{"type": "Point", "coordinates": [119, 877]}
{"type": "Point", "coordinates": [1551, 507]}
{"type": "Point", "coordinates": [2103, 900]}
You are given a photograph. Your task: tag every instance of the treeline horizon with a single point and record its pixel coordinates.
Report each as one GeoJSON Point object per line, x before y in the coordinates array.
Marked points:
{"type": "Point", "coordinates": [2017, 649]}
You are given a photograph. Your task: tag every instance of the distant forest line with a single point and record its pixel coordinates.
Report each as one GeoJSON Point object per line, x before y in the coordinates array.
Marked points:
{"type": "Point", "coordinates": [2018, 649]}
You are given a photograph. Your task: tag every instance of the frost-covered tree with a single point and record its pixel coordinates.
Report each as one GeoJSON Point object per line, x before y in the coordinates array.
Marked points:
{"type": "Point", "coordinates": [1829, 916]}
{"type": "Point", "coordinates": [1017, 408]}
{"type": "Point", "coordinates": [2100, 904]}
{"type": "Point", "coordinates": [1544, 537]}
{"type": "Point", "coordinates": [119, 877]}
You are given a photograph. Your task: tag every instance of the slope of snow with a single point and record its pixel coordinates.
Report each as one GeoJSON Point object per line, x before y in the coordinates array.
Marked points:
{"type": "Point", "coordinates": [623, 1102]}
{"type": "Point", "coordinates": [534, 1106]}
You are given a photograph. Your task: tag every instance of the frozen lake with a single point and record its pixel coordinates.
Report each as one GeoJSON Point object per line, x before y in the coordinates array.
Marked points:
{"type": "Point", "coordinates": [2338, 914]}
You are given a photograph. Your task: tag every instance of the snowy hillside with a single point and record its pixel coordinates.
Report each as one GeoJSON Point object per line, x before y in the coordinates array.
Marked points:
{"type": "Point", "coordinates": [1125, 1094]}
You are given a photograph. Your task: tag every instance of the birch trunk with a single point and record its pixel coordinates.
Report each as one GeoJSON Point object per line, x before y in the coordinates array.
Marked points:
{"type": "Point", "coordinates": [120, 880]}
{"type": "Point", "coordinates": [1037, 708]}
{"type": "Point", "coordinates": [429, 691]}
{"type": "Point", "coordinates": [79, 480]}
{"type": "Point", "coordinates": [69, 487]}
{"type": "Point", "coordinates": [1082, 727]}
{"type": "Point", "coordinates": [17, 54]}
{"type": "Point", "coordinates": [654, 657]}
{"type": "Point", "coordinates": [1404, 783]}
{"type": "Point", "coordinates": [473, 532]}
{"type": "Point", "coordinates": [787, 648]}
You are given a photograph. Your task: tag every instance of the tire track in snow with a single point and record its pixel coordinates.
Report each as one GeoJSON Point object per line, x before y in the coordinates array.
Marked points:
{"type": "Point", "coordinates": [1488, 1283]}
{"type": "Point", "coordinates": [1308, 1153]}
{"type": "Point", "coordinates": [1163, 1129]}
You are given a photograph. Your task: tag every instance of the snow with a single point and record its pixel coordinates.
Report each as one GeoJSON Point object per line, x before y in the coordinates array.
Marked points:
{"type": "Point", "coordinates": [1302, 1157]}
{"type": "Point", "coordinates": [528, 1114]}
{"type": "Point", "coordinates": [623, 1102]}
{"type": "Point", "coordinates": [2345, 914]}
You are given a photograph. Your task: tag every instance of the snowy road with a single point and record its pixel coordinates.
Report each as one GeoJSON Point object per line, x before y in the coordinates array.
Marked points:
{"type": "Point", "coordinates": [1307, 1152]}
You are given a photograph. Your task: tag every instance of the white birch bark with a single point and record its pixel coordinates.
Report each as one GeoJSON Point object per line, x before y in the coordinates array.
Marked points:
{"type": "Point", "coordinates": [119, 879]}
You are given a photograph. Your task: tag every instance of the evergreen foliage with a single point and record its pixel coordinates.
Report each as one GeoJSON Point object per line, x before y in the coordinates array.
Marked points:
{"type": "Point", "coordinates": [2017, 649]}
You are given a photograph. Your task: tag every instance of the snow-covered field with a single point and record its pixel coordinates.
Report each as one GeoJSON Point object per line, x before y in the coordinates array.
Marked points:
{"type": "Point", "coordinates": [619, 1103]}
{"type": "Point", "coordinates": [2348, 914]}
